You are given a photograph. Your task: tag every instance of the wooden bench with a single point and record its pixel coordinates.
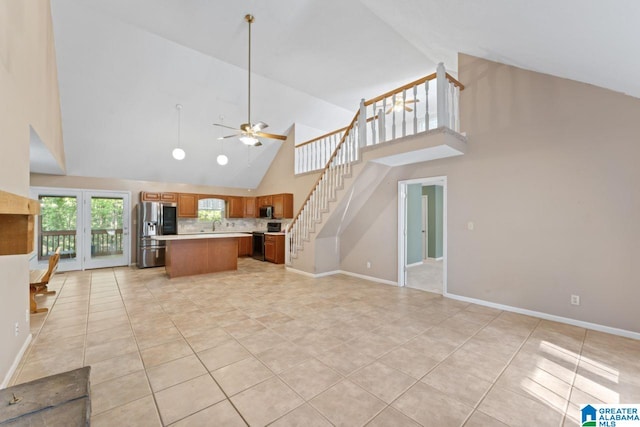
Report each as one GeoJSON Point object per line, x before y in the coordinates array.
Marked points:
{"type": "Point", "coordinates": [38, 281]}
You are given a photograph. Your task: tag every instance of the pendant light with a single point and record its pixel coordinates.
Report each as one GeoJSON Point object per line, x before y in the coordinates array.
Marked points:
{"type": "Point", "coordinates": [222, 159]}
{"type": "Point", "coordinates": [178, 153]}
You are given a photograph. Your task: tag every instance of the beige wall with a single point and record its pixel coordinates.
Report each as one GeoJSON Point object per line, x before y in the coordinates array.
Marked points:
{"type": "Point", "coordinates": [550, 180]}
{"type": "Point", "coordinates": [28, 97]}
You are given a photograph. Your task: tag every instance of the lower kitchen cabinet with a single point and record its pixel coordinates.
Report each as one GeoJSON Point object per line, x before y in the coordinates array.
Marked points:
{"type": "Point", "coordinates": [274, 248]}
{"type": "Point", "coordinates": [245, 246]}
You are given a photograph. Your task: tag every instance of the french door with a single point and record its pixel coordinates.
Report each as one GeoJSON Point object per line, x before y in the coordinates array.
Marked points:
{"type": "Point", "coordinates": [90, 228]}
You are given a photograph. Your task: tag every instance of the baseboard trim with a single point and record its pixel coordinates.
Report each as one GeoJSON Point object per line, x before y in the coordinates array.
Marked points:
{"type": "Point", "coordinates": [347, 273]}
{"type": "Point", "coordinates": [415, 263]}
{"type": "Point", "coordinates": [546, 316]}
{"type": "Point", "coordinates": [369, 278]}
{"type": "Point", "coordinates": [16, 362]}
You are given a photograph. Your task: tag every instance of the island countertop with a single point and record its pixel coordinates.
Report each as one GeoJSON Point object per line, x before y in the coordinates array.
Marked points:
{"type": "Point", "coordinates": [200, 236]}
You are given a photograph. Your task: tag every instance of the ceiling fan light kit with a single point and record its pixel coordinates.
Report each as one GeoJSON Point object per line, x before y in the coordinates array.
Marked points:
{"type": "Point", "coordinates": [250, 132]}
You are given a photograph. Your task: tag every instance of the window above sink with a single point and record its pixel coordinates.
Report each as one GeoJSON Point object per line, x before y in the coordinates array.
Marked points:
{"type": "Point", "coordinates": [210, 210]}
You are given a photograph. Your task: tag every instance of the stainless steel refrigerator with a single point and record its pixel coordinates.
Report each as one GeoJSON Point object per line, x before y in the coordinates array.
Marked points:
{"type": "Point", "coordinates": [154, 218]}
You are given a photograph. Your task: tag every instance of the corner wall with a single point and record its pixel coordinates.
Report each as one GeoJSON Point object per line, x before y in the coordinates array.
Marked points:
{"type": "Point", "coordinates": [550, 182]}
{"type": "Point", "coordinates": [28, 97]}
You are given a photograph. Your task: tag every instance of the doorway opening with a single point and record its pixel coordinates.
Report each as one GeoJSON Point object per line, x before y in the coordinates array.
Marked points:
{"type": "Point", "coordinates": [90, 228]}
{"type": "Point", "coordinates": [422, 234]}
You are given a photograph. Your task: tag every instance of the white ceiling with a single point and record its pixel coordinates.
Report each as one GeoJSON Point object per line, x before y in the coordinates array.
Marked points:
{"type": "Point", "coordinates": [123, 65]}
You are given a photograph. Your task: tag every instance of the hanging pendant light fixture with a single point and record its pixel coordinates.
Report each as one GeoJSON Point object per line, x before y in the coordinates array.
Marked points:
{"type": "Point", "coordinates": [222, 159]}
{"type": "Point", "coordinates": [178, 153]}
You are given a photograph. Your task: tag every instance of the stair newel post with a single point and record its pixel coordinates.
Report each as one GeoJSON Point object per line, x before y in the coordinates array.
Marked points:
{"type": "Point", "coordinates": [441, 82]}
{"type": "Point", "coordinates": [393, 116]}
{"type": "Point", "coordinates": [426, 105]}
{"type": "Point", "coordinates": [383, 124]}
{"type": "Point", "coordinates": [454, 107]}
{"type": "Point", "coordinates": [415, 109]}
{"type": "Point", "coordinates": [404, 113]}
{"type": "Point", "coordinates": [362, 124]}
{"type": "Point", "coordinates": [373, 125]}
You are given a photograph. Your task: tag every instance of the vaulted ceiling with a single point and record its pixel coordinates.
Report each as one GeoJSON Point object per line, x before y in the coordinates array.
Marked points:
{"type": "Point", "coordinates": [123, 65]}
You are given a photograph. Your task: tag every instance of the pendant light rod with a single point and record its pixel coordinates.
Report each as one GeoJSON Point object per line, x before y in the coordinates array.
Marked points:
{"type": "Point", "coordinates": [249, 18]}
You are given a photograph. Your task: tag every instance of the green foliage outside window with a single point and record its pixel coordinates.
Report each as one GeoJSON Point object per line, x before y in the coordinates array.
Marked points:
{"type": "Point", "coordinates": [58, 213]}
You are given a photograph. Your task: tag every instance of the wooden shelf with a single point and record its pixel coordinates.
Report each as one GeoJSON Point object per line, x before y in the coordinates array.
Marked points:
{"type": "Point", "coordinates": [17, 223]}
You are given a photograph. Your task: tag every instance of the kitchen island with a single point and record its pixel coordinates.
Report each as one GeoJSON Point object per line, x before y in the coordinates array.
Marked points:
{"type": "Point", "coordinates": [191, 254]}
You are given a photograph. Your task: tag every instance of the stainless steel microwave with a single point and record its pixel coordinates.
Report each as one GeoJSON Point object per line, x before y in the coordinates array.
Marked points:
{"type": "Point", "coordinates": [266, 211]}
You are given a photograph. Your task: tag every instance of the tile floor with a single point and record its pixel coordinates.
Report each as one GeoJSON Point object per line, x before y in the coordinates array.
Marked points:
{"type": "Point", "coordinates": [426, 276]}
{"type": "Point", "coordinates": [262, 346]}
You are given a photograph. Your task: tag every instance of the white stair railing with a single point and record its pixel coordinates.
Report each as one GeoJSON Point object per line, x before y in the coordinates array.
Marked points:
{"type": "Point", "coordinates": [427, 103]}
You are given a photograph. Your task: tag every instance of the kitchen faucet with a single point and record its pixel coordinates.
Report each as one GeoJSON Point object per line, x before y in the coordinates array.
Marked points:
{"type": "Point", "coordinates": [213, 227]}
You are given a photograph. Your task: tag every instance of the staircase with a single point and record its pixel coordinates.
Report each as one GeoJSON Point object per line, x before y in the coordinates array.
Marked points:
{"type": "Point", "coordinates": [339, 154]}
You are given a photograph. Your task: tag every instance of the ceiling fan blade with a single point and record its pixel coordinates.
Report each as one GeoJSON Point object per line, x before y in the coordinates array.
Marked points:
{"type": "Point", "coordinates": [225, 126]}
{"type": "Point", "coordinates": [271, 136]}
{"type": "Point", "coordinates": [408, 109]}
{"type": "Point", "coordinates": [389, 110]}
{"type": "Point", "coordinates": [229, 136]}
{"type": "Point", "coordinates": [411, 101]}
{"type": "Point", "coordinates": [259, 126]}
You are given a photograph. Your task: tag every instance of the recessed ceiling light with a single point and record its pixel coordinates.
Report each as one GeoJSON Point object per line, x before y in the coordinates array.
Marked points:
{"type": "Point", "coordinates": [222, 160]}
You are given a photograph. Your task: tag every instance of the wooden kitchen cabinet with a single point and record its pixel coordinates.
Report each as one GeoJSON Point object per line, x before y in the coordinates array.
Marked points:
{"type": "Point", "coordinates": [149, 196]}
{"type": "Point", "coordinates": [235, 207]}
{"type": "Point", "coordinates": [274, 248]}
{"type": "Point", "coordinates": [250, 207]}
{"type": "Point", "coordinates": [245, 246]}
{"type": "Point", "coordinates": [169, 197]}
{"type": "Point", "coordinates": [146, 196]}
{"type": "Point", "coordinates": [265, 201]}
{"type": "Point", "coordinates": [282, 205]}
{"type": "Point", "coordinates": [187, 205]}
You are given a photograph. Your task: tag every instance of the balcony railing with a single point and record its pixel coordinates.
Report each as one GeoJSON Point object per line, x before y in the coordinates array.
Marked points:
{"type": "Point", "coordinates": [427, 103]}
{"type": "Point", "coordinates": [103, 242]}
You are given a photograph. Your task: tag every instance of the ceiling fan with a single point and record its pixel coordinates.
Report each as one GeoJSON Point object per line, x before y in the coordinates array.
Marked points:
{"type": "Point", "coordinates": [399, 104]}
{"type": "Point", "coordinates": [250, 132]}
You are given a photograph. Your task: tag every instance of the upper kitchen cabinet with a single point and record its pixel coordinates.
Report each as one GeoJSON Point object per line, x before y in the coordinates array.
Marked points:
{"type": "Point", "coordinates": [235, 207]}
{"type": "Point", "coordinates": [187, 205]}
{"type": "Point", "coordinates": [265, 201]}
{"type": "Point", "coordinates": [250, 209]}
{"type": "Point", "coordinates": [282, 205]}
{"type": "Point", "coordinates": [169, 197]}
{"type": "Point", "coordinates": [147, 196]}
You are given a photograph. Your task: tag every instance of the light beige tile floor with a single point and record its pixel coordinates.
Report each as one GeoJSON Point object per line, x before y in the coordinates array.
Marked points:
{"type": "Point", "coordinates": [426, 276]}
{"type": "Point", "coordinates": [265, 346]}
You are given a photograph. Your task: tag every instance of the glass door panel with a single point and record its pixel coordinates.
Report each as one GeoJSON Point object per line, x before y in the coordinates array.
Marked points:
{"type": "Point", "coordinates": [107, 232]}
{"type": "Point", "coordinates": [58, 225]}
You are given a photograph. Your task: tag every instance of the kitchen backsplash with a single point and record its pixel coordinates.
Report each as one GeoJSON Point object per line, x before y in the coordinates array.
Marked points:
{"type": "Point", "coordinates": [189, 225]}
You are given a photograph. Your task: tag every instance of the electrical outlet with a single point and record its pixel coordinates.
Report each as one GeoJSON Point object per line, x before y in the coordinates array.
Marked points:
{"type": "Point", "coordinates": [368, 264]}
{"type": "Point", "coordinates": [17, 329]}
{"type": "Point", "coordinates": [575, 300]}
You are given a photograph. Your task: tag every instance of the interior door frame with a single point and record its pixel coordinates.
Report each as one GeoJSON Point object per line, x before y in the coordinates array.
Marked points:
{"type": "Point", "coordinates": [402, 226]}
{"type": "Point", "coordinates": [83, 224]}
